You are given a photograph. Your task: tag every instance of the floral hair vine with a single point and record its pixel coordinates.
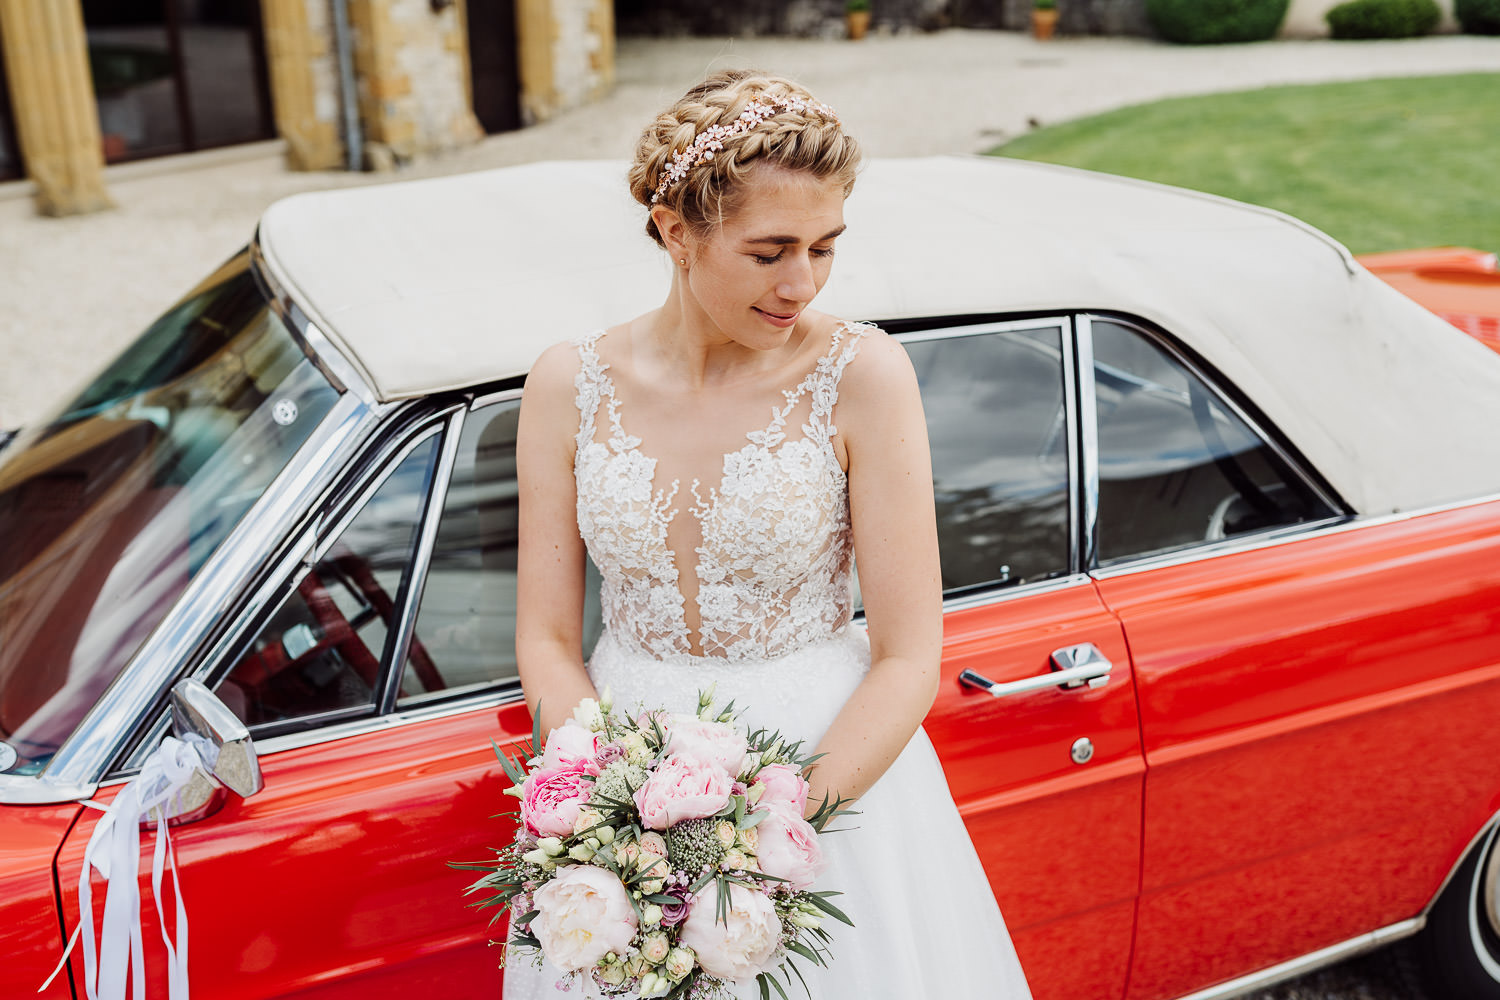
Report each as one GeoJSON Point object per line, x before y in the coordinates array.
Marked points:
{"type": "Point", "coordinates": [711, 139]}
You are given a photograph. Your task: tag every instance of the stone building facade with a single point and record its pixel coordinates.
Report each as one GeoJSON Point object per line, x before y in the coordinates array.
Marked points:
{"type": "Point", "coordinates": [361, 83]}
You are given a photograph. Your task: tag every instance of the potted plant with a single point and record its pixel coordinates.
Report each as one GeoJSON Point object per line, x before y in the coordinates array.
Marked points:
{"type": "Point", "coordinates": [1043, 18]}
{"type": "Point", "coordinates": [857, 17]}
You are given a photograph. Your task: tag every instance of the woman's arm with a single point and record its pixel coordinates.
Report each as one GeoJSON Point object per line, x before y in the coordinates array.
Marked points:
{"type": "Point", "coordinates": [895, 548]}
{"type": "Point", "coordinates": [550, 556]}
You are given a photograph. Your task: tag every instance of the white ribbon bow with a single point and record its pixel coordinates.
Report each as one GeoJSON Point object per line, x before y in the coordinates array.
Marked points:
{"type": "Point", "coordinates": [114, 849]}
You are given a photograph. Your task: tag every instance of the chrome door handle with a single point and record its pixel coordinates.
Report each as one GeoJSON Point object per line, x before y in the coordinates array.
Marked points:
{"type": "Point", "coordinates": [1072, 667]}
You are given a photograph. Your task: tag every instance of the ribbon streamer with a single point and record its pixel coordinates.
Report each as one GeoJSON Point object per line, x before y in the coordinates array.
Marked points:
{"type": "Point", "coordinates": [114, 849]}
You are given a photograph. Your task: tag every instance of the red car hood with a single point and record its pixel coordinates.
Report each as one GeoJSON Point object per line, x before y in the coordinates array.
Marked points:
{"type": "Point", "coordinates": [1459, 284]}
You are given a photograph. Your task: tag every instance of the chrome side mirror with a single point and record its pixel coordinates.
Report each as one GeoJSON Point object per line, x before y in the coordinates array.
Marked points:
{"type": "Point", "coordinates": [205, 723]}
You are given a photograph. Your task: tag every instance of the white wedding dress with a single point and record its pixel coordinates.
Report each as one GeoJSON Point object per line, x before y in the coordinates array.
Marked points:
{"type": "Point", "coordinates": [774, 600]}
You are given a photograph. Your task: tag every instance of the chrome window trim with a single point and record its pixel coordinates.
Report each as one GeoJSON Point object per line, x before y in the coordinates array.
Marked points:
{"type": "Point", "coordinates": [505, 693]}
{"type": "Point", "coordinates": [1312, 961]}
{"type": "Point", "coordinates": [1088, 440]}
{"type": "Point", "coordinates": [1268, 435]}
{"type": "Point", "coordinates": [1075, 444]}
{"type": "Point", "coordinates": [1047, 321]}
{"type": "Point", "coordinates": [1064, 325]}
{"type": "Point", "coordinates": [100, 736]}
{"type": "Point", "coordinates": [490, 399]}
{"type": "Point", "coordinates": [1285, 535]}
{"type": "Point", "coordinates": [999, 595]}
{"type": "Point", "coordinates": [431, 518]}
{"type": "Point", "coordinates": [315, 344]}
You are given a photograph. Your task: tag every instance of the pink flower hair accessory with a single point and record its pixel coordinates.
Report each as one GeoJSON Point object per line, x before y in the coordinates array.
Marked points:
{"type": "Point", "coordinates": [711, 139]}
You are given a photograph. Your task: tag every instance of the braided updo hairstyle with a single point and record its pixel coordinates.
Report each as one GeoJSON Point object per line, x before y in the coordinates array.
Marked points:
{"type": "Point", "coordinates": [809, 140]}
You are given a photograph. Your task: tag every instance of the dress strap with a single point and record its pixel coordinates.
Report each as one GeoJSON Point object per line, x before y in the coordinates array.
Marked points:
{"type": "Point", "coordinates": [823, 385]}
{"type": "Point", "coordinates": [594, 385]}
{"type": "Point", "coordinates": [590, 385]}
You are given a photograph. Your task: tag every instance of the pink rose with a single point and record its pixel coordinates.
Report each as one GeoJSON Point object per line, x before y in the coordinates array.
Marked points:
{"type": "Point", "coordinates": [739, 947]}
{"type": "Point", "coordinates": [570, 743]}
{"type": "Point", "coordinates": [787, 846]}
{"type": "Point", "coordinates": [582, 915]}
{"type": "Point", "coordinates": [784, 784]}
{"type": "Point", "coordinates": [552, 797]}
{"type": "Point", "coordinates": [711, 742]}
{"type": "Point", "coordinates": [682, 788]}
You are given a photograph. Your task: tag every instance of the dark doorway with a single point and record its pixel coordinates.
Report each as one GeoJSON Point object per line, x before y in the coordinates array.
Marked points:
{"type": "Point", "coordinates": [173, 76]}
{"type": "Point", "coordinates": [10, 149]}
{"type": "Point", "coordinates": [493, 64]}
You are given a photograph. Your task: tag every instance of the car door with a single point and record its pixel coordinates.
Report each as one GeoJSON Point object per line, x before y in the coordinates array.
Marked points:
{"type": "Point", "coordinates": [1048, 778]}
{"type": "Point", "coordinates": [1316, 695]}
{"type": "Point", "coordinates": [374, 668]}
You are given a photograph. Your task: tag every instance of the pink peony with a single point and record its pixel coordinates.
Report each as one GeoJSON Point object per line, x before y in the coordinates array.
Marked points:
{"type": "Point", "coordinates": [552, 798]}
{"type": "Point", "coordinates": [711, 742]}
{"type": "Point", "coordinates": [583, 914]}
{"type": "Point", "coordinates": [787, 846]}
{"type": "Point", "coordinates": [742, 945]}
{"type": "Point", "coordinates": [784, 784]}
{"type": "Point", "coordinates": [570, 743]}
{"type": "Point", "coordinates": [682, 788]}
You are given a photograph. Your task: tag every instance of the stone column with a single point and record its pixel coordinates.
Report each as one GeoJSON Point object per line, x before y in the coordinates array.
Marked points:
{"type": "Point", "coordinates": [567, 54]}
{"type": "Point", "coordinates": [52, 96]}
{"type": "Point", "coordinates": [304, 82]}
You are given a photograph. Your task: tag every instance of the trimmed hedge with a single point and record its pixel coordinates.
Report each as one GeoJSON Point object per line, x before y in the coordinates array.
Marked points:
{"type": "Point", "coordinates": [1478, 17]}
{"type": "Point", "coordinates": [1383, 18]}
{"type": "Point", "coordinates": [1210, 22]}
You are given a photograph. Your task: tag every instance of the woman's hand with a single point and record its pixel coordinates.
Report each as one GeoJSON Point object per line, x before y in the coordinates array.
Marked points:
{"type": "Point", "coordinates": [884, 436]}
{"type": "Point", "coordinates": [550, 557]}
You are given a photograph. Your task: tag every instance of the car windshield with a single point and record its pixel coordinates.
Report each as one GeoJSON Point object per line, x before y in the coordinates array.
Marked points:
{"type": "Point", "coordinates": [109, 508]}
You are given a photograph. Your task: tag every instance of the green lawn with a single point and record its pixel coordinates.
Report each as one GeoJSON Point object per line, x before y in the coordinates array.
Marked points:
{"type": "Point", "coordinates": [1378, 164]}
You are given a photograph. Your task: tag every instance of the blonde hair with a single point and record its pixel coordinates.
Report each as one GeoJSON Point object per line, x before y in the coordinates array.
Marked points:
{"type": "Point", "coordinates": [810, 140]}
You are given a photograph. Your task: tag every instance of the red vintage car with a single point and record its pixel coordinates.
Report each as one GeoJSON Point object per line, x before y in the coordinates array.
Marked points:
{"type": "Point", "coordinates": [1220, 525]}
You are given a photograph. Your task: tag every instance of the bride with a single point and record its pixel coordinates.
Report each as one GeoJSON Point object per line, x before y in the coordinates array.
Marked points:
{"type": "Point", "coordinates": [724, 459]}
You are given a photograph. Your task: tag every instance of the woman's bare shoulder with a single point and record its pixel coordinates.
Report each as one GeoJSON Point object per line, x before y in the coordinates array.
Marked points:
{"type": "Point", "coordinates": [879, 369]}
{"type": "Point", "coordinates": [554, 371]}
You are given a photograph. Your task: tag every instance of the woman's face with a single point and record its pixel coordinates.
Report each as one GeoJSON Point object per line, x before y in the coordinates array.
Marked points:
{"type": "Point", "coordinates": [754, 275]}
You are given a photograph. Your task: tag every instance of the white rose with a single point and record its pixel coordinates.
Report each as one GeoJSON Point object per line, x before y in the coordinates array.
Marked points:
{"type": "Point", "coordinates": [582, 915]}
{"type": "Point", "coordinates": [735, 861]}
{"type": "Point", "coordinates": [724, 830]}
{"type": "Point", "coordinates": [679, 963]}
{"type": "Point", "coordinates": [587, 817]}
{"type": "Point", "coordinates": [654, 843]}
{"type": "Point", "coordinates": [589, 715]}
{"type": "Point", "coordinates": [613, 974]}
{"type": "Point", "coordinates": [710, 742]}
{"type": "Point", "coordinates": [740, 947]}
{"type": "Point", "coordinates": [654, 947]}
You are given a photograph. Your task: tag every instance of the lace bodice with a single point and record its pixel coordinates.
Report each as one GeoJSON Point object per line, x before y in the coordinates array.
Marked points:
{"type": "Point", "coordinates": [773, 567]}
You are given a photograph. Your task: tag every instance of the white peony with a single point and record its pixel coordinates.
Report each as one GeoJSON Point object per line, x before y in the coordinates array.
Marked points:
{"type": "Point", "coordinates": [740, 947]}
{"type": "Point", "coordinates": [582, 915]}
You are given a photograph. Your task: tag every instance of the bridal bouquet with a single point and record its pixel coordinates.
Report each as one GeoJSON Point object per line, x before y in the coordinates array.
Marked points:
{"type": "Point", "coordinates": [664, 855]}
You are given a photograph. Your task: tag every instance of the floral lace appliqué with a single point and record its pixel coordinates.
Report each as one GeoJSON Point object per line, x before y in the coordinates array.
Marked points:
{"type": "Point", "coordinates": [774, 564]}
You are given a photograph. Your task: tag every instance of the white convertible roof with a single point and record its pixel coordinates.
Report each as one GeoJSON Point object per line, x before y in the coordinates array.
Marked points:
{"type": "Point", "coordinates": [439, 284]}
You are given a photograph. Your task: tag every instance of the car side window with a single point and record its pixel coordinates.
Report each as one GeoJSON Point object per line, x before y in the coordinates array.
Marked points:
{"type": "Point", "coordinates": [1177, 466]}
{"type": "Point", "coordinates": [465, 634]}
{"type": "Point", "coordinates": [997, 421]}
{"type": "Point", "coordinates": [320, 652]}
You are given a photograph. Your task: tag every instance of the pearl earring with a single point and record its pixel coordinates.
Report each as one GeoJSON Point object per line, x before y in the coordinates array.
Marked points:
{"type": "Point", "coordinates": [682, 261]}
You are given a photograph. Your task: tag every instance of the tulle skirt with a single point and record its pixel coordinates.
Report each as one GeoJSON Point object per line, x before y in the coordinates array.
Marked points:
{"type": "Point", "coordinates": [926, 923]}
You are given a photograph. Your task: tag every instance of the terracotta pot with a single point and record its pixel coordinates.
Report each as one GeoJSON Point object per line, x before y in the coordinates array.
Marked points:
{"type": "Point", "coordinates": [858, 22]}
{"type": "Point", "coordinates": [1043, 23]}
